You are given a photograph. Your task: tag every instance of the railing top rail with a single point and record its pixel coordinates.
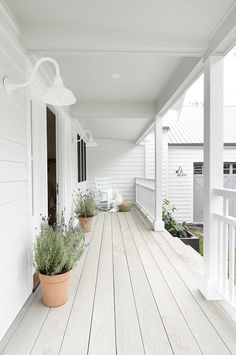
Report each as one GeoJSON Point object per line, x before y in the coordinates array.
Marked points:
{"type": "Point", "coordinates": [227, 219]}
{"type": "Point", "coordinates": [144, 178]}
{"type": "Point", "coordinates": [145, 186]}
{"type": "Point", "coordinates": [225, 192]}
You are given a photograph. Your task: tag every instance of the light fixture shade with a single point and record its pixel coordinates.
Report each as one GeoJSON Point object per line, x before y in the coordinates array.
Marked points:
{"type": "Point", "coordinates": [58, 94]}
{"type": "Point", "coordinates": [91, 142]}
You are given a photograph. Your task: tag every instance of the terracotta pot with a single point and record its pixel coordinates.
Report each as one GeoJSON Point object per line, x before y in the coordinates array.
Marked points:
{"type": "Point", "coordinates": [86, 223]}
{"type": "Point", "coordinates": [55, 289]}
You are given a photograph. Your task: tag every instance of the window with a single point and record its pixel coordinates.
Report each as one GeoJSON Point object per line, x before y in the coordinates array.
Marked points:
{"type": "Point", "coordinates": [228, 168]}
{"type": "Point", "coordinates": [198, 168]}
{"type": "Point", "coordinates": [234, 168]}
{"type": "Point", "coordinates": [81, 154]}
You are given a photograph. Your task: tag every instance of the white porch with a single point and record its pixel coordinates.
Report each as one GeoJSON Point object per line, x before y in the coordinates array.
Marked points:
{"type": "Point", "coordinates": [135, 291]}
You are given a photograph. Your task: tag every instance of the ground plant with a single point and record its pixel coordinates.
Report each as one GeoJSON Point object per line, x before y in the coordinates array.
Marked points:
{"type": "Point", "coordinates": [179, 230]}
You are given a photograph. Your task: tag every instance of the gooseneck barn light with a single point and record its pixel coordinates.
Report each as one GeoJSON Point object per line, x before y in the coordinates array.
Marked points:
{"type": "Point", "coordinates": [57, 94]}
{"type": "Point", "coordinates": [89, 141]}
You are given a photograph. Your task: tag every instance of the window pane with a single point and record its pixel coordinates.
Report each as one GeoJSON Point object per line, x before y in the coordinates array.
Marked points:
{"type": "Point", "coordinates": [82, 160]}
{"type": "Point", "coordinates": [198, 168]}
{"type": "Point", "coordinates": [85, 162]}
{"type": "Point", "coordinates": [226, 168]}
{"type": "Point", "coordinates": [78, 159]}
{"type": "Point", "coordinates": [234, 168]}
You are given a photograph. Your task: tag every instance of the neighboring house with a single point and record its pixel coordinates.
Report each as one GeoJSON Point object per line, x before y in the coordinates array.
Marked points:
{"type": "Point", "coordinates": [183, 147]}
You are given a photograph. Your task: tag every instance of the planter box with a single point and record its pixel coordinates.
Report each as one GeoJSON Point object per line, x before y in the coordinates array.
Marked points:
{"type": "Point", "coordinates": [192, 240]}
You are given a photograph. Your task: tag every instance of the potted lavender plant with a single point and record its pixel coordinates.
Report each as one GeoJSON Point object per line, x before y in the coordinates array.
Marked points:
{"type": "Point", "coordinates": [56, 252]}
{"type": "Point", "coordinates": [85, 208]}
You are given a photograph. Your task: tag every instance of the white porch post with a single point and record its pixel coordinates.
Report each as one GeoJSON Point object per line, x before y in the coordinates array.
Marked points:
{"type": "Point", "coordinates": [158, 224]}
{"type": "Point", "coordinates": [213, 169]}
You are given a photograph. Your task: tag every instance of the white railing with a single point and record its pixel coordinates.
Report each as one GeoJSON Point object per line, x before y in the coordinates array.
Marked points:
{"type": "Point", "coordinates": [226, 247]}
{"type": "Point", "coordinates": [145, 196]}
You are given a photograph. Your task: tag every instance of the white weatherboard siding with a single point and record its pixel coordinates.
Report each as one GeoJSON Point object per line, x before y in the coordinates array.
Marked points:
{"type": "Point", "coordinates": [15, 273]}
{"type": "Point", "coordinates": [180, 188]}
{"type": "Point", "coordinates": [23, 185]}
{"type": "Point", "coordinates": [150, 159]}
{"type": "Point", "coordinates": [121, 160]}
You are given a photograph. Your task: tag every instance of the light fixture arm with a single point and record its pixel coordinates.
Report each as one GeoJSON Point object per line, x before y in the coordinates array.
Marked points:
{"type": "Point", "coordinates": [84, 134]}
{"type": "Point", "coordinates": [11, 87]}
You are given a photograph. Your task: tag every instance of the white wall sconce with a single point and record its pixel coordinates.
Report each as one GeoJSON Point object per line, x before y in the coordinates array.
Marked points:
{"type": "Point", "coordinates": [180, 172]}
{"type": "Point", "coordinates": [57, 94]}
{"type": "Point", "coordinates": [89, 139]}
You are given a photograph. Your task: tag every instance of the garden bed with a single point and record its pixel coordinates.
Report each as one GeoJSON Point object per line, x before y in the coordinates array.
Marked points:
{"type": "Point", "coordinates": [191, 240]}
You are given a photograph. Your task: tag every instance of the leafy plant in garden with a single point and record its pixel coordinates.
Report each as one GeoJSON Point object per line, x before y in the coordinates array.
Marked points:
{"type": "Point", "coordinates": [167, 210]}
{"type": "Point", "coordinates": [85, 204]}
{"type": "Point", "coordinates": [179, 230]}
{"type": "Point", "coordinates": [57, 250]}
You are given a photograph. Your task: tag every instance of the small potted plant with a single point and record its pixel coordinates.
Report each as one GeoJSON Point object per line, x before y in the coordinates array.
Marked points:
{"type": "Point", "coordinates": [56, 251]}
{"type": "Point", "coordinates": [85, 209]}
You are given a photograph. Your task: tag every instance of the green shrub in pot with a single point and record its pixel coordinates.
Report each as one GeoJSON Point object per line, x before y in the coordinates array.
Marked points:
{"type": "Point", "coordinates": [56, 252]}
{"type": "Point", "coordinates": [85, 208]}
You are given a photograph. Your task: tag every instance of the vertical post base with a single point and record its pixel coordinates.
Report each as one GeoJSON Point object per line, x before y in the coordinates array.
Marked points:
{"type": "Point", "coordinates": [158, 226]}
{"type": "Point", "coordinates": [209, 290]}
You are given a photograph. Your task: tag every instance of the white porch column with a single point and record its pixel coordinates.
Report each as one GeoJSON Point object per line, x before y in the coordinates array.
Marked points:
{"type": "Point", "coordinates": [158, 224]}
{"type": "Point", "coordinates": [213, 169]}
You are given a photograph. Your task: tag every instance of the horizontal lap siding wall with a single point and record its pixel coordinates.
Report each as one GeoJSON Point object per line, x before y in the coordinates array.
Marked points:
{"type": "Point", "coordinates": [150, 160]}
{"type": "Point", "coordinates": [122, 161]}
{"type": "Point", "coordinates": [15, 239]}
{"type": "Point", "coordinates": [180, 189]}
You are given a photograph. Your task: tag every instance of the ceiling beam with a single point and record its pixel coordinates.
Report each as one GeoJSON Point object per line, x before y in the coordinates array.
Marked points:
{"type": "Point", "coordinates": [224, 37]}
{"type": "Point", "coordinates": [188, 71]}
{"type": "Point", "coordinates": [73, 40]}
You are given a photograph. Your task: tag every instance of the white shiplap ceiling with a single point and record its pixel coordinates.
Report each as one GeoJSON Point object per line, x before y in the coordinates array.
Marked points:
{"type": "Point", "coordinates": [188, 18]}
{"type": "Point", "coordinates": [142, 76]}
{"type": "Point", "coordinates": [144, 41]}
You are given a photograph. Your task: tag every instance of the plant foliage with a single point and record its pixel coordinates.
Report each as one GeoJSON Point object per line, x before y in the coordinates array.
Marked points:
{"type": "Point", "coordinates": [179, 230]}
{"type": "Point", "coordinates": [85, 204]}
{"type": "Point", "coordinates": [167, 214]}
{"type": "Point", "coordinates": [58, 249]}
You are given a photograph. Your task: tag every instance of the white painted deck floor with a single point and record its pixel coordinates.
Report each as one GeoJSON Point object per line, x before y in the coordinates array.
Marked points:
{"type": "Point", "coordinates": [134, 293]}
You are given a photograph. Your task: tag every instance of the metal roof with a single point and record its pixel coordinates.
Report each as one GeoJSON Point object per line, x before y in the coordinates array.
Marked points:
{"type": "Point", "coordinates": [188, 128]}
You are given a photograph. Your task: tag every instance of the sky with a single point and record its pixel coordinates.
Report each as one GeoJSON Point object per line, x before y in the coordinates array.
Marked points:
{"type": "Point", "coordinates": [195, 92]}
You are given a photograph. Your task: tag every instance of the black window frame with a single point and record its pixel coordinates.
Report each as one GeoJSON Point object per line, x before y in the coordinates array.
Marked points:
{"type": "Point", "coordinates": [81, 160]}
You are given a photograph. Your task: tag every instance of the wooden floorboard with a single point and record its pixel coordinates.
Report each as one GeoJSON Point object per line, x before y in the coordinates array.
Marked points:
{"type": "Point", "coordinates": [103, 336]}
{"type": "Point", "coordinates": [180, 335]}
{"type": "Point", "coordinates": [134, 292]}
{"type": "Point", "coordinates": [128, 332]}
{"type": "Point", "coordinates": [197, 321]}
{"type": "Point", "coordinates": [76, 338]}
{"type": "Point", "coordinates": [213, 311]}
{"type": "Point", "coordinates": [155, 337]}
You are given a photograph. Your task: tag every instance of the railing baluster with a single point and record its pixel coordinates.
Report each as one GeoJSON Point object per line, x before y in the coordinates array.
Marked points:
{"type": "Point", "coordinates": [225, 257]}
{"type": "Point", "coordinates": [220, 255]}
{"type": "Point", "coordinates": [231, 263]}
{"type": "Point", "coordinates": [145, 196]}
